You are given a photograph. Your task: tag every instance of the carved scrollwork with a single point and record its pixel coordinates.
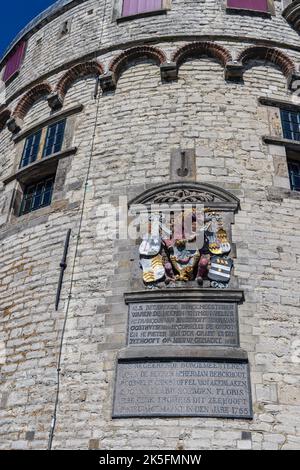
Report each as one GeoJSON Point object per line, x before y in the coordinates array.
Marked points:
{"type": "Point", "coordinates": [188, 193]}
{"type": "Point", "coordinates": [183, 196]}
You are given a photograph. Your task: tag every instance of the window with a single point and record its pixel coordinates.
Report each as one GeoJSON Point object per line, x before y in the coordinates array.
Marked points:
{"type": "Point", "coordinates": [290, 124]}
{"type": "Point", "coordinates": [43, 143]}
{"type": "Point", "coordinates": [54, 138]}
{"type": "Point", "coordinates": [251, 5]}
{"type": "Point", "coordinates": [31, 149]}
{"type": "Point", "coordinates": [14, 62]}
{"type": "Point", "coordinates": [136, 7]}
{"type": "Point", "coordinates": [294, 174]}
{"type": "Point", "coordinates": [37, 195]}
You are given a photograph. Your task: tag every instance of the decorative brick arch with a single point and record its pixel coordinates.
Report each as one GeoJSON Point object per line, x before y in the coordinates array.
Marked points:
{"type": "Point", "coordinates": [81, 70]}
{"type": "Point", "coordinates": [4, 117]}
{"type": "Point", "coordinates": [28, 100]}
{"type": "Point", "coordinates": [198, 49]}
{"type": "Point", "coordinates": [269, 54]}
{"type": "Point", "coordinates": [120, 62]}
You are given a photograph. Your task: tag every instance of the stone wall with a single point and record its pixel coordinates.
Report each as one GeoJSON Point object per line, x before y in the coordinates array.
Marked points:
{"type": "Point", "coordinates": [93, 28]}
{"type": "Point", "coordinates": [124, 141]}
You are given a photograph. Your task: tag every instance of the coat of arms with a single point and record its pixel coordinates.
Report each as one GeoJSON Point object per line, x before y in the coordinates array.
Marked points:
{"type": "Point", "coordinates": [168, 257]}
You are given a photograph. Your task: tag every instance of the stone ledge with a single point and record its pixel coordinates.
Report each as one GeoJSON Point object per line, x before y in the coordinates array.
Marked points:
{"type": "Point", "coordinates": [36, 218]}
{"type": "Point", "coordinates": [108, 82]}
{"type": "Point", "coordinates": [276, 194]}
{"type": "Point", "coordinates": [169, 71]}
{"type": "Point", "coordinates": [123, 19]}
{"type": "Point", "coordinates": [55, 101]}
{"type": "Point", "coordinates": [288, 143]}
{"type": "Point", "coordinates": [244, 11]}
{"type": "Point", "coordinates": [294, 81]}
{"type": "Point", "coordinates": [266, 101]}
{"type": "Point", "coordinates": [14, 124]}
{"type": "Point", "coordinates": [185, 295]}
{"type": "Point", "coordinates": [40, 167]}
{"type": "Point", "coordinates": [182, 352]}
{"type": "Point", "coordinates": [47, 121]}
{"type": "Point", "coordinates": [234, 71]}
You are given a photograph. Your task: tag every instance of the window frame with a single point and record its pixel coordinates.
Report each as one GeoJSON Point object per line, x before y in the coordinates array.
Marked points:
{"type": "Point", "coordinates": [41, 168]}
{"type": "Point", "coordinates": [290, 162]}
{"type": "Point", "coordinates": [42, 146]}
{"type": "Point", "coordinates": [118, 9]}
{"type": "Point", "coordinates": [270, 12]}
{"type": "Point", "coordinates": [139, 12]}
{"type": "Point", "coordinates": [35, 194]}
{"type": "Point", "coordinates": [20, 48]}
{"type": "Point", "coordinates": [292, 131]}
{"type": "Point", "coordinates": [38, 135]}
{"type": "Point", "coordinates": [54, 144]}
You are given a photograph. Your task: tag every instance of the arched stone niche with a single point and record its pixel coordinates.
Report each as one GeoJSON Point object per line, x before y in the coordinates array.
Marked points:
{"type": "Point", "coordinates": [182, 328]}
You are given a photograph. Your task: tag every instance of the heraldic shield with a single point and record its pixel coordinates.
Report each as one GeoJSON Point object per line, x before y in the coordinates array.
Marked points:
{"type": "Point", "coordinates": [220, 269]}
{"type": "Point", "coordinates": [151, 261]}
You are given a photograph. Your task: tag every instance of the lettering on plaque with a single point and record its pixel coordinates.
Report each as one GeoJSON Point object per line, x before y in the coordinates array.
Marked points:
{"type": "Point", "coordinates": [183, 323]}
{"type": "Point", "coordinates": [156, 388]}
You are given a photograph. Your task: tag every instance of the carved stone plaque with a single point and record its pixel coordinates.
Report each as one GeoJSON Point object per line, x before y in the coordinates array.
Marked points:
{"type": "Point", "coordinates": [153, 388]}
{"type": "Point", "coordinates": [183, 323]}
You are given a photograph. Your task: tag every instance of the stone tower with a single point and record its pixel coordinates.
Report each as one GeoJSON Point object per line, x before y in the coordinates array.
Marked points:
{"type": "Point", "coordinates": [107, 104]}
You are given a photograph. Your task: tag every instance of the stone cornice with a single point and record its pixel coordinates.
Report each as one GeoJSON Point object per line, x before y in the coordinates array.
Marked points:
{"type": "Point", "coordinates": [291, 144]}
{"type": "Point", "coordinates": [185, 295]}
{"type": "Point", "coordinates": [150, 40]}
{"type": "Point", "coordinates": [123, 19]}
{"type": "Point", "coordinates": [182, 352]}
{"type": "Point", "coordinates": [284, 104]}
{"type": "Point", "coordinates": [25, 174]}
{"type": "Point", "coordinates": [47, 121]}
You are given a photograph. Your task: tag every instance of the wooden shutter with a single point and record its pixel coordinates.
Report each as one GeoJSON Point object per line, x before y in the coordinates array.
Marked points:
{"type": "Point", "coordinates": [253, 5]}
{"type": "Point", "coordinates": [14, 62]}
{"type": "Point", "coordinates": [134, 7]}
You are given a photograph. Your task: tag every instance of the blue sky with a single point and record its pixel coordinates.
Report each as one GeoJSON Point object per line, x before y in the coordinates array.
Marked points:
{"type": "Point", "coordinates": [15, 15]}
